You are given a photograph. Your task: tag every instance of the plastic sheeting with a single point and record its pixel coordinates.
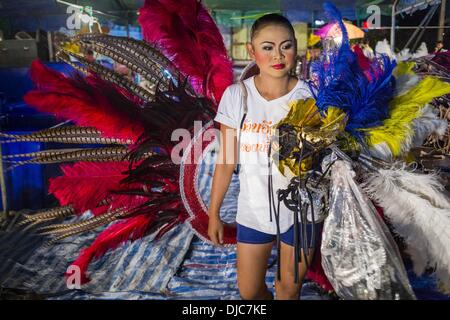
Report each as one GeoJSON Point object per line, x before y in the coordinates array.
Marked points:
{"type": "Point", "coordinates": [359, 256]}
{"type": "Point", "coordinates": [140, 266]}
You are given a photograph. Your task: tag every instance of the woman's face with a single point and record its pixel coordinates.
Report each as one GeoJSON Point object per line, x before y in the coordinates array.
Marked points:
{"type": "Point", "coordinates": [274, 50]}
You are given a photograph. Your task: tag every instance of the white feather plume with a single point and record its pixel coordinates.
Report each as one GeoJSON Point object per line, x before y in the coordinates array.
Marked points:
{"type": "Point", "coordinates": [383, 47]}
{"type": "Point", "coordinates": [425, 124]}
{"type": "Point", "coordinates": [428, 123]}
{"type": "Point", "coordinates": [381, 151]}
{"type": "Point", "coordinates": [420, 213]}
{"type": "Point", "coordinates": [406, 54]}
{"type": "Point", "coordinates": [403, 55]}
{"type": "Point", "coordinates": [422, 51]}
{"type": "Point", "coordinates": [404, 83]}
{"type": "Point", "coordinates": [368, 52]}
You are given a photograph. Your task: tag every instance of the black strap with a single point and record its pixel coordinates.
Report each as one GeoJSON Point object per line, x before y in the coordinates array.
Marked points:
{"type": "Point", "coordinates": [238, 165]}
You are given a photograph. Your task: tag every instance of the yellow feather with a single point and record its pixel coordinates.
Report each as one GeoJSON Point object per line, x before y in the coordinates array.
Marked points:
{"type": "Point", "coordinates": [403, 68]}
{"type": "Point", "coordinates": [334, 116]}
{"type": "Point", "coordinates": [403, 110]}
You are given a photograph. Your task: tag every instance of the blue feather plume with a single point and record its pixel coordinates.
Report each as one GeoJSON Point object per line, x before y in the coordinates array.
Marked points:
{"type": "Point", "coordinates": [334, 15]}
{"type": "Point", "coordinates": [342, 83]}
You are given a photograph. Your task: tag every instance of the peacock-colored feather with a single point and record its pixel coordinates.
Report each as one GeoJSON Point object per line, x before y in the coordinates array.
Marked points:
{"type": "Point", "coordinates": [141, 64]}
{"type": "Point", "coordinates": [101, 154]}
{"type": "Point", "coordinates": [65, 134]}
{"type": "Point", "coordinates": [47, 215]}
{"type": "Point", "coordinates": [113, 77]}
{"type": "Point", "coordinates": [148, 56]}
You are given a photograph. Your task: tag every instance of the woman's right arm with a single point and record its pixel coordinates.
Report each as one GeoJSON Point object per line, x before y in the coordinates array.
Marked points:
{"type": "Point", "coordinates": [225, 165]}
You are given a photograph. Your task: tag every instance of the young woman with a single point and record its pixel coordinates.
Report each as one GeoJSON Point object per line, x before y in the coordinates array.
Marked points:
{"type": "Point", "coordinates": [273, 47]}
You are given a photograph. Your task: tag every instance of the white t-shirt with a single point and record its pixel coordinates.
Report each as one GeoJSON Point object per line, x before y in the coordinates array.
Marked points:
{"type": "Point", "coordinates": [253, 201]}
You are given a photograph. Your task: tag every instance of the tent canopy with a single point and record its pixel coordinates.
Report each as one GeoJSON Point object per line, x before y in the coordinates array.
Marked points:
{"type": "Point", "coordinates": [13, 8]}
{"type": "Point", "coordinates": [29, 15]}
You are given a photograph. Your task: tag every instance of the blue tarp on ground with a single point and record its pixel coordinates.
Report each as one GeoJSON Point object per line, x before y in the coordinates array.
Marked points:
{"type": "Point", "coordinates": [178, 266]}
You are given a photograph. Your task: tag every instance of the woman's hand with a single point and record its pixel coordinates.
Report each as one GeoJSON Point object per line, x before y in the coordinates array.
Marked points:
{"type": "Point", "coordinates": [215, 229]}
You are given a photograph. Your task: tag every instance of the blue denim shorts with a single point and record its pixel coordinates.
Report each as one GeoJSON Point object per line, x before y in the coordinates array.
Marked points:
{"type": "Point", "coordinates": [252, 236]}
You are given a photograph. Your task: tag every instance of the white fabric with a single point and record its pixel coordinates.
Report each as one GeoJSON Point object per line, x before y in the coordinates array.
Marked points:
{"type": "Point", "coordinates": [253, 200]}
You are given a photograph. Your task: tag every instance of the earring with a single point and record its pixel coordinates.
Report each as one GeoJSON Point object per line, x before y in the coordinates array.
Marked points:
{"type": "Point", "coordinates": [298, 67]}
{"type": "Point", "coordinates": [296, 71]}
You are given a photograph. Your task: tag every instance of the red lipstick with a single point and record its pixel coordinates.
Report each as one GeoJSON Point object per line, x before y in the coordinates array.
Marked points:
{"type": "Point", "coordinates": [279, 66]}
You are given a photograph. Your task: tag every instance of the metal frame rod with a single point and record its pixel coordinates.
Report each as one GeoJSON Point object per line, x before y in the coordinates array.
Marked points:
{"type": "Point", "coordinates": [425, 22]}
{"type": "Point", "coordinates": [417, 5]}
{"type": "Point", "coordinates": [422, 31]}
{"type": "Point", "coordinates": [400, 28]}
{"type": "Point", "coordinates": [393, 14]}
{"type": "Point", "coordinates": [3, 186]}
{"type": "Point", "coordinates": [440, 35]}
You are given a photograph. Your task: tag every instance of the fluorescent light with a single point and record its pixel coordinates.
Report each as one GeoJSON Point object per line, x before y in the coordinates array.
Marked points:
{"type": "Point", "coordinates": [319, 22]}
{"type": "Point", "coordinates": [70, 4]}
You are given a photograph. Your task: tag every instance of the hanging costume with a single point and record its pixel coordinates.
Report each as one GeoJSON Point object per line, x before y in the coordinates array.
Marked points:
{"type": "Point", "coordinates": [351, 144]}
{"type": "Point", "coordinates": [343, 151]}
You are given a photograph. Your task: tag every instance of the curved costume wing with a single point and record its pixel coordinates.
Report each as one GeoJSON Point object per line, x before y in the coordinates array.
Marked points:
{"type": "Point", "coordinates": [127, 176]}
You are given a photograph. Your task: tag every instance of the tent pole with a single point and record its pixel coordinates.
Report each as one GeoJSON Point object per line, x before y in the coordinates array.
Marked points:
{"type": "Point", "coordinates": [393, 14]}
{"type": "Point", "coordinates": [3, 187]}
{"type": "Point", "coordinates": [440, 35]}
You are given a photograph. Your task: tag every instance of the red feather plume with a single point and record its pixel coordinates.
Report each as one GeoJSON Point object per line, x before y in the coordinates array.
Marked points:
{"type": "Point", "coordinates": [363, 62]}
{"type": "Point", "coordinates": [88, 101]}
{"type": "Point", "coordinates": [131, 229]}
{"type": "Point", "coordinates": [317, 274]}
{"type": "Point", "coordinates": [189, 37]}
{"type": "Point", "coordinates": [85, 184]}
